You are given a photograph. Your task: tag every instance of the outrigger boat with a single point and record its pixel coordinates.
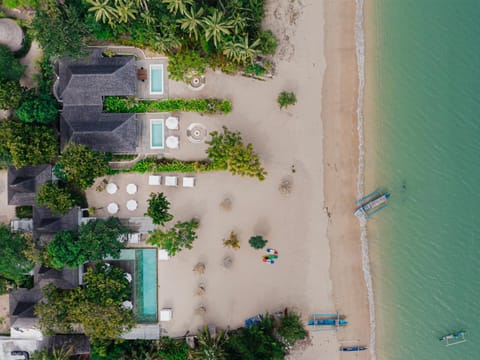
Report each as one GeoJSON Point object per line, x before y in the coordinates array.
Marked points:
{"type": "Point", "coordinates": [372, 204]}
{"type": "Point", "coordinates": [355, 348]}
{"type": "Point", "coordinates": [454, 338]}
{"type": "Point", "coordinates": [322, 322]}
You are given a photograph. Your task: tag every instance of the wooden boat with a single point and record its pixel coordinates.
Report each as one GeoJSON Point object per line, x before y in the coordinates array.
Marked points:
{"type": "Point", "coordinates": [353, 348]}
{"type": "Point", "coordinates": [372, 204]}
{"type": "Point", "coordinates": [454, 338]}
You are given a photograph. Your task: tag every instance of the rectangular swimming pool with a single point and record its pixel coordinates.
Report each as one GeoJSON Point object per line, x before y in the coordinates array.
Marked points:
{"type": "Point", "coordinates": [156, 133]}
{"type": "Point", "coordinates": [156, 79]}
{"type": "Point", "coordinates": [144, 284]}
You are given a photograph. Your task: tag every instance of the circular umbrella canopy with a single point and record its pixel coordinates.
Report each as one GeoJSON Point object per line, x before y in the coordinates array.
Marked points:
{"type": "Point", "coordinates": [172, 142]}
{"type": "Point", "coordinates": [131, 189]}
{"type": "Point", "coordinates": [112, 188]}
{"type": "Point", "coordinates": [112, 208]}
{"type": "Point", "coordinates": [132, 205]}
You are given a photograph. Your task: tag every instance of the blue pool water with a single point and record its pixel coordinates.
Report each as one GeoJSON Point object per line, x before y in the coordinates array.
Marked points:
{"type": "Point", "coordinates": [156, 134]}
{"type": "Point", "coordinates": [156, 79]}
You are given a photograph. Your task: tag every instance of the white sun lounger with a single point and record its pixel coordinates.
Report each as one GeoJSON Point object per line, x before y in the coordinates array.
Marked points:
{"type": "Point", "coordinates": [171, 180]}
{"type": "Point", "coordinates": [188, 181]}
{"type": "Point", "coordinates": [154, 180]}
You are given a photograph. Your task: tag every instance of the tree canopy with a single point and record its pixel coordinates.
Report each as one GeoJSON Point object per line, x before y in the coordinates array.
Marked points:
{"type": "Point", "coordinates": [227, 151]}
{"type": "Point", "coordinates": [80, 165]}
{"type": "Point", "coordinates": [10, 68]}
{"type": "Point", "coordinates": [94, 241]}
{"type": "Point", "coordinates": [11, 94]}
{"type": "Point", "coordinates": [56, 196]}
{"type": "Point", "coordinates": [40, 109]}
{"type": "Point", "coordinates": [158, 207]}
{"type": "Point", "coordinates": [14, 263]}
{"type": "Point", "coordinates": [180, 236]}
{"type": "Point", "coordinates": [96, 305]}
{"type": "Point", "coordinates": [27, 144]}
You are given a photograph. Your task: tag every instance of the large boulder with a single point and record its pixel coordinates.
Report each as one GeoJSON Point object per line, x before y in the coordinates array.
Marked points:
{"type": "Point", "coordinates": [11, 34]}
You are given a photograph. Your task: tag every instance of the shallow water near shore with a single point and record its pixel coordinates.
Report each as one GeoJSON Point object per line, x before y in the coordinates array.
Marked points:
{"type": "Point", "coordinates": [426, 121]}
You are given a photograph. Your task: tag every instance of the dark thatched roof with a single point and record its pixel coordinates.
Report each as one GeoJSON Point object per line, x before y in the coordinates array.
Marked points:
{"type": "Point", "coordinates": [44, 222]}
{"type": "Point", "coordinates": [24, 309]}
{"type": "Point", "coordinates": [79, 343]}
{"type": "Point", "coordinates": [25, 182]}
{"type": "Point", "coordinates": [116, 133]}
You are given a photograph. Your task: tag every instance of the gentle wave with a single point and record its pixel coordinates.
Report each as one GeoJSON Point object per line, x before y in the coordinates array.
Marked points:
{"type": "Point", "coordinates": [360, 51]}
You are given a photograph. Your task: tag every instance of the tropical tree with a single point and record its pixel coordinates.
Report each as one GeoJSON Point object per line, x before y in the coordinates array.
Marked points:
{"type": "Point", "coordinates": [257, 242]}
{"type": "Point", "coordinates": [80, 165]}
{"type": "Point", "coordinates": [186, 63]}
{"type": "Point", "coordinates": [232, 241]}
{"type": "Point", "coordinates": [216, 27]}
{"type": "Point", "coordinates": [94, 241]}
{"type": "Point", "coordinates": [27, 144]}
{"type": "Point", "coordinates": [191, 21]}
{"type": "Point", "coordinates": [125, 10]}
{"type": "Point", "coordinates": [175, 6]}
{"type": "Point", "coordinates": [158, 207]}
{"type": "Point", "coordinates": [103, 10]}
{"type": "Point", "coordinates": [210, 347]}
{"type": "Point", "coordinates": [11, 94]}
{"type": "Point", "coordinates": [241, 51]}
{"type": "Point", "coordinates": [180, 236]}
{"type": "Point", "coordinates": [14, 262]}
{"type": "Point", "coordinates": [62, 353]}
{"type": "Point", "coordinates": [286, 98]}
{"type": "Point", "coordinates": [291, 328]}
{"type": "Point", "coordinates": [10, 68]}
{"type": "Point", "coordinates": [40, 109]}
{"type": "Point", "coordinates": [227, 151]}
{"type": "Point", "coordinates": [56, 196]}
{"type": "Point", "coordinates": [96, 305]}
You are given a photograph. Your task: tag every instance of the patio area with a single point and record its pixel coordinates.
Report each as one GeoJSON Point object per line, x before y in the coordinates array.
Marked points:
{"type": "Point", "coordinates": [152, 78]}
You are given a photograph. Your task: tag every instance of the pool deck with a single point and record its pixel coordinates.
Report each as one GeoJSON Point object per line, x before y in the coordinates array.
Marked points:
{"type": "Point", "coordinates": [143, 87]}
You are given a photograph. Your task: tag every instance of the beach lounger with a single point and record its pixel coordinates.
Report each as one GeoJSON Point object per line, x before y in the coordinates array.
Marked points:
{"type": "Point", "coordinates": [166, 314]}
{"type": "Point", "coordinates": [154, 180]}
{"type": "Point", "coordinates": [188, 181]}
{"type": "Point", "coordinates": [171, 180]}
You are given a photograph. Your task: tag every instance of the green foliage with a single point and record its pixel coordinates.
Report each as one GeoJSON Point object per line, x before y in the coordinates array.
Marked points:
{"type": "Point", "coordinates": [27, 144]}
{"type": "Point", "coordinates": [211, 106]}
{"type": "Point", "coordinates": [291, 328]}
{"type": "Point", "coordinates": [255, 69]}
{"type": "Point", "coordinates": [13, 4]}
{"type": "Point", "coordinates": [95, 240]}
{"type": "Point", "coordinates": [268, 42]}
{"type": "Point", "coordinates": [56, 196]}
{"type": "Point", "coordinates": [63, 353]}
{"type": "Point", "coordinates": [10, 68]}
{"type": "Point", "coordinates": [180, 236]}
{"type": "Point", "coordinates": [154, 165]}
{"type": "Point", "coordinates": [210, 348]}
{"type": "Point", "coordinates": [184, 64]}
{"type": "Point", "coordinates": [257, 242]}
{"type": "Point", "coordinates": [11, 94]}
{"type": "Point", "coordinates": [232, 242]}
{"type": "Point", "coordinates": [227, 151]}
{"type": "Point", "coordinates": [24, 212]}
{"type": "Point", "coordinates": [60, 29]}
{"type": "Point", "coordinates": [39, 109]}
{"type": "Point", "coordinates": [286, 99]}
{"type": "Point", "coordinates": [158, 207]}
{"type": "Point", "coordinates": [96, 305]}
{"type": "Point", "coordinates": [14, 263]}
{"type": "Point", "coordinates": [80, 165]}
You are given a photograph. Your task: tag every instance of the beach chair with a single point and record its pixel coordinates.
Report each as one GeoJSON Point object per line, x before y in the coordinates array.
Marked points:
{"type": "Point", "coordinates": [133, 238]}
{"type": "Point", "coordinates": [171, 180]}
{"type": "Point", "coordinates": [154, 180]}
{"type": "Point", "coordinates": [188, 181]}
{"type": "Point", "coordinates": [166, 314]}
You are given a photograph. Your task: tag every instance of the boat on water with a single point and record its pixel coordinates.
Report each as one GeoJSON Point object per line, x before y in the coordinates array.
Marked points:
{"type": "Point", "coordinates": [353, 348]}
{"type": "Point", "coordinates": [454, 338]}
{"type": "Point", "coordinates": [372, 204]}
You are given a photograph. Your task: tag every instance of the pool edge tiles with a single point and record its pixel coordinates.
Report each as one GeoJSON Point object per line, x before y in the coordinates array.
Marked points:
{"type": "Point", "coordinates": [152, 140]}
{"type": "Point", "coordinates": [152, 83]}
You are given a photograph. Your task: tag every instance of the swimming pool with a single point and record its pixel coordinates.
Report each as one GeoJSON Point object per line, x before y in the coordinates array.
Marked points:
{"type": "Point", "coordinates": [156, 79]}
{"type": "Point", "coordinates": [156, 133]}
{"type": "Point", "coordinates": [144, 263]}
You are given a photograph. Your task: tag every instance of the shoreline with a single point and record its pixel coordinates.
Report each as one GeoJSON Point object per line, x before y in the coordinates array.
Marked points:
{"type": "Point", "coordinates": [341, 156]}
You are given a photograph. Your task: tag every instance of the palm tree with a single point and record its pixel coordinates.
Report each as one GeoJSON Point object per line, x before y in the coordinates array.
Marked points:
{"type": "Point", "coordinates": [216, 27]}
{"type": "Point", "coordinates": [175, 6]}
{"type": "Point", "coordinates": [125, 9]}
{"type": "Point", "coordinates": [240, 50]}
{"type": "Point", "coordinates": [191, 21]}
{"type": "Point", "coordinates": [210, 348]}
{"type": "Point", "coordinates": [103, 11]}
{"type": "Point", "coordinates": [238, 22]}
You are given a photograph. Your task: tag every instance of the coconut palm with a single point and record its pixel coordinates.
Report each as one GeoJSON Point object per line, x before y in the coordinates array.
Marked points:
{"type": "Point", "coordinates": [103, 11]}
{"type": "Point", "coordinates": [216, 27]}
{"type": "Point", "coordinates": [209, 347]}
{"type": "Point", "coordinates": [126, 10]}
{"type": "Point", "coordinates": [191, 21]}
{"type": "Point", "coordinates": [147, 17]}
{"type": "Point", "coordinates": [238, 22]}
{"type": "Point", "coordinates": [175, 6]}
{"type": "Point", "coordinates": [240, 50]}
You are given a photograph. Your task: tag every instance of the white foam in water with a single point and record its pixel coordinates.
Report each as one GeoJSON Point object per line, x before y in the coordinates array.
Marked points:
{"type": "Point", "coordinates": [360, 50]}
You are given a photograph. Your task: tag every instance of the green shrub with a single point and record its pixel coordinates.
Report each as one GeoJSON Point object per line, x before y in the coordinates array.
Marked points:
{"type": "Point", "coordinates": [11, 94]}
{"type": "Point", "coordinates": [158, 207]}
{"type": "Point", "coordinates": [286, 99]}
{"type": "Point", "coordinates": [291, 328]}
{"type": "Point", "coordinates": [257, 242]}
{"type": "Point", "coordinates": [10, 68]}
{"type": "Point", "coordinates": [57, 197]}
{"type": "Point", "coordinates": [180, 236]}
{"type": "Point", "coordinates": [12, 4]}
{"type": "Point", "coordinates": [184, 64]}
{"type": "Point", "coordinates": [40, 109]}
{"type": "Point", "coordinates": [24, 212]}
{"type": "Point", "coordinates": [255, 69]}
{"type": "Point", "coordinates": [268, 42]}
{"type": "Point", "coordinates": [114, 104]}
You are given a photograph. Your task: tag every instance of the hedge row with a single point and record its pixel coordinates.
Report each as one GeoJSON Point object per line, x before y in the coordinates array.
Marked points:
{"type": "Point", "coordinates": [154, 165]}
{"type": "Point", "coordinates": [114, 104]}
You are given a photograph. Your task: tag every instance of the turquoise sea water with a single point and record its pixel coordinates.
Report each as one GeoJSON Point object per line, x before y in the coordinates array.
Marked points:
{"type": "Point", "coordinates": [427, 154]}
